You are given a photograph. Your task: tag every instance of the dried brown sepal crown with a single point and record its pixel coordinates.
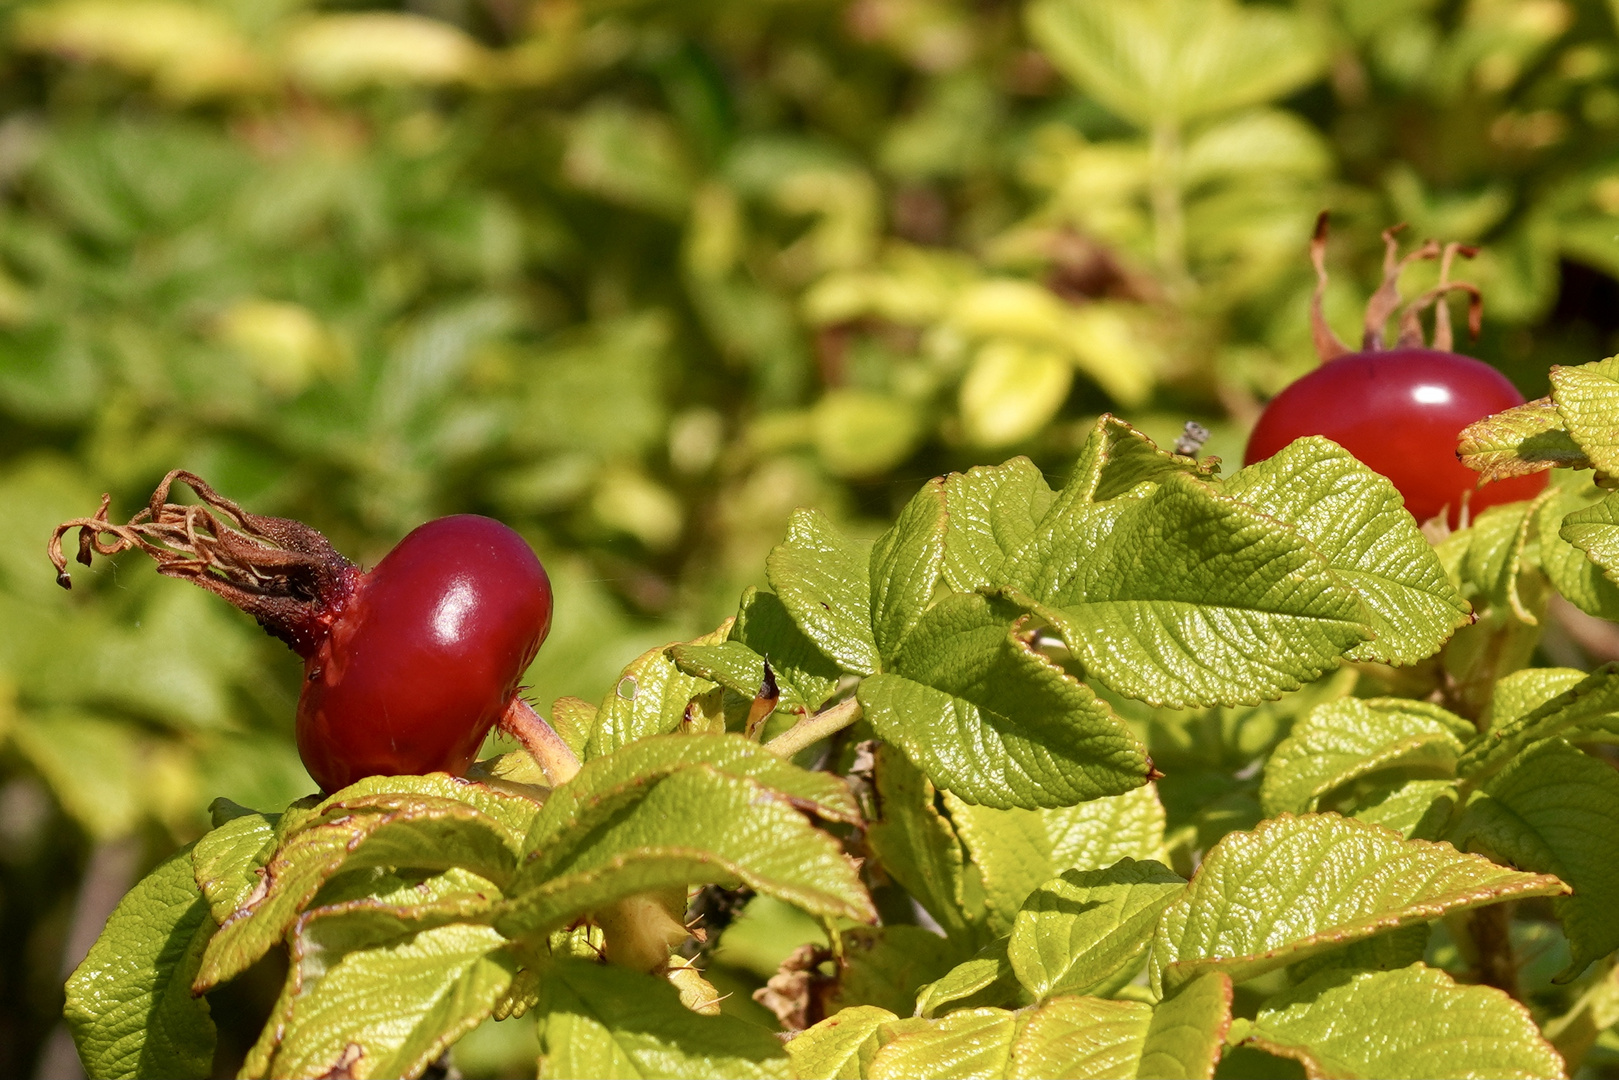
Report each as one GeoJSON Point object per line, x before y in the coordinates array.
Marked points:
{"type": "Point", "coordinates": [282, 572]}
{"type": "Point", "coordinates": [1387, 300]}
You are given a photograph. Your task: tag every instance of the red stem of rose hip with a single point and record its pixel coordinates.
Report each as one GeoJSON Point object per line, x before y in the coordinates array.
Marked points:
{"type": "Point", "coordinates": [1399, 410]}
{"type": "Point", "coordinates": [406, 667]}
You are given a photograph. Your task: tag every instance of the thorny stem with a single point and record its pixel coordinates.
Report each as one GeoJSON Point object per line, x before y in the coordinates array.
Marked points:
{"type": "Point", "coordinates": [282, 572]}
{"type": "Point", "coordinates": [555, 758]}
{"type": "Point", "coordinates": [812, 729]}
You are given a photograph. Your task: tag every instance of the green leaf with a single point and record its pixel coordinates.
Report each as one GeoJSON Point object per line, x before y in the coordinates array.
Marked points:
{"type": "Point", "coordinates": [1412, 1022]}
{"type": "Point", "coordinates": [1357, 520]}
{"type": "Point", "coordinates": [1017, 851]}
{"type": "Point", "coordinates": [1522, 692]}
{"type": "Point", "coordinates": [1076, 1037]}
{"type": "Point", "coordinates": [1588, 399]}
{"type": "Point", "coordinates": [1347, 739]}
{"type": "Point", "coordinates": [886, 965]}
{"type": "Point", "coordinates": [1495, 551]}
{"type": "Point", "coordinates": [227, 861]}
{"type": "Point", "coordinates": [736, 667]}
{"type": "Point", "coordinates": [1580, 581]}
{"type": "Point", "coordinates": [918, 847]}
{"type": "Point", "coordinates": [764, 625]}
{"type": "Point", "coordinates": [695, 825]}
{"type": "Point", "coordinates": [129, 1004]}
{"type": "Point", "coordinates": [1080, 1037]}
{"type": "Point", "coordinates": [824, 580]}
{"type": "Point", "coordinates": [602, 785]}
{"type": "Point", "coordinates": [1518, 442]}
{"type": "Point", "coordinates": [1172, 61]}
{"type": "Point", "coordinates": [1416, 809]}
{"type": "Point", "coordinates": [604, 1021]}
{"type": "Point", "coordinates": [1115, 458]}
{"type": "Point", "coordinates": [390, 1011]}
{"type": "Point", "coordinates": [574, 719]}
{"type": "Point", "coordinates": [859, 433]}
{"type": "Point", "coordinates": [649, 698]}
{"type": "Point", "coordinates": [509, 814]}
{"type": "Point", "coordinates": [1189, 597]}
{"type": "Point", "coordinates": [429, 834]}
{"type": "Point", "coordinates": [1552, 810]}
{"type": "Point", "coordinates": [905, 565]}
{"type": "Point", "coordinates": [993, 510]}
{"type": "Point", "coordinates": [1188, 1030]}
{"type": "Point", "coordinates": [1296, 886]}
{"type": "Point", "coordinates": [1591, 705]}
{"type": "Point", "coordinates": [1080, 929]}
{"type": "Point", "coordinates": [1595, 531]}
{"type": "Point", "coordinates": [985, 979]}
{"type": "Point", "coordinates": [991, 719]}
{"type": "Point", "coordinates": [1012, 390]}
{"type": "Point", "coordinates": [841, 1046]}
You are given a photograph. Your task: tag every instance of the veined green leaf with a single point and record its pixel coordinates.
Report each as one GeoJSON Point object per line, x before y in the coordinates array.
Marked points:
{"type": "Point", "coordinates": [1170, 61]}
{"type": "Point", "coordinates": [984, 979]}
{"type": "Point", "coordinates": [1498, 540]}
{"type": "Point", "coordinates": [824, 580]}
{"type": "Point", "coordinates": [1416, 809]}
{"type": "Point", "coordinates": [604, 1021]}
{"type": "Point", "coordinates": [366, 912]}
{"type": "Point", "coordinates": [1115, 458]}
{"type": "Point", "coordinates": [1350, 738]}
{"type": "Point", "coordinates": [1587, 397]}
{"type": "Point", "coordinates": [841, 1046]}
{"type": "Point", "coordinates": [918, 847]}
{"type": "Point", "coordinates": [1579, 580]}
{"type": "Point", "coordinates": [736, 667]}
{"type": "Point", "coordinates": [1017, 851]}
{"type": "Point", "coordinates": [1068, 1036]}
{"type": "Point", "coordinates": [1081, 928]}
{"type": "Point", "coordinates": [431, 834]}
{"type": "Point", "coordinates": [512, 813]}
{"type": "Point", "coordinates": [1413, 1022]}
{"type": "Point", "coordinates": [1595, 531]}
{"type": "Point", "coordinates": [389, 1011]}
{"type": "Point", "coordinates": [905, 566]}
{"type": "Point", "coordinates": [1188, 597]}
{"type": "Point", "coordinates": [1552, 809]}
{"type": "Point", "coordinates": [764, 625]}
{"type": "Point", "coordinates": [993, 510]}
{"type": "Point", "coordinates": [751, 833]}
{"type": "Point", "coordinates": [226, 861]}
{"type": "Point", "coordinates": [1522, 692]}
{"type": "Point", "coordinates": [1527, 439]}
{"type": "Point", "coordinates": [1357, 520]}
{"type": "Point", "coordinates": [129, 1004]}
{"type": "Point", "coordinates": [1296, 886]}
{"type": "Point", "coordinates": [989, 718]}
{"type": "Point", "coordinates": [602, 785]}
{"type": "Point", "coordinates": [1592, 705]}
{"type": "Point", "coordinates": [649, 698]}
{"type": "Point", "coordinates": [1188, 1030]}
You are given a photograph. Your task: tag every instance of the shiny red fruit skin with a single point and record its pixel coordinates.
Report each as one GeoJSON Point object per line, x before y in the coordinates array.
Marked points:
{"type": "Point", "coordinates": [1399, 412]}
{"type": "Point", "coordinates": [424, 655]}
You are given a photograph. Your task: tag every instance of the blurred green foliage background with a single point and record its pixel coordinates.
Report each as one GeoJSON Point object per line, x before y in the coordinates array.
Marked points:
{"type": "Point", "coordinates": [639, 278]}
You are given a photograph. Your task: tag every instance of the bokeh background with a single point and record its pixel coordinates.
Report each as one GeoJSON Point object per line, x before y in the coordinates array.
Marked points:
{"type": "Point", "coordinates": [638, 278]}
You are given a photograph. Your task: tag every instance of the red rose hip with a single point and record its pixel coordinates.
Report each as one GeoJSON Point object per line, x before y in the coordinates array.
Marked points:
{"type": "Point", "coordinates": [424, 655]}
{"type": "Point", "coordinates": [1398, 410]}
{"type": "Point", "coordinates": [407, 667]}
